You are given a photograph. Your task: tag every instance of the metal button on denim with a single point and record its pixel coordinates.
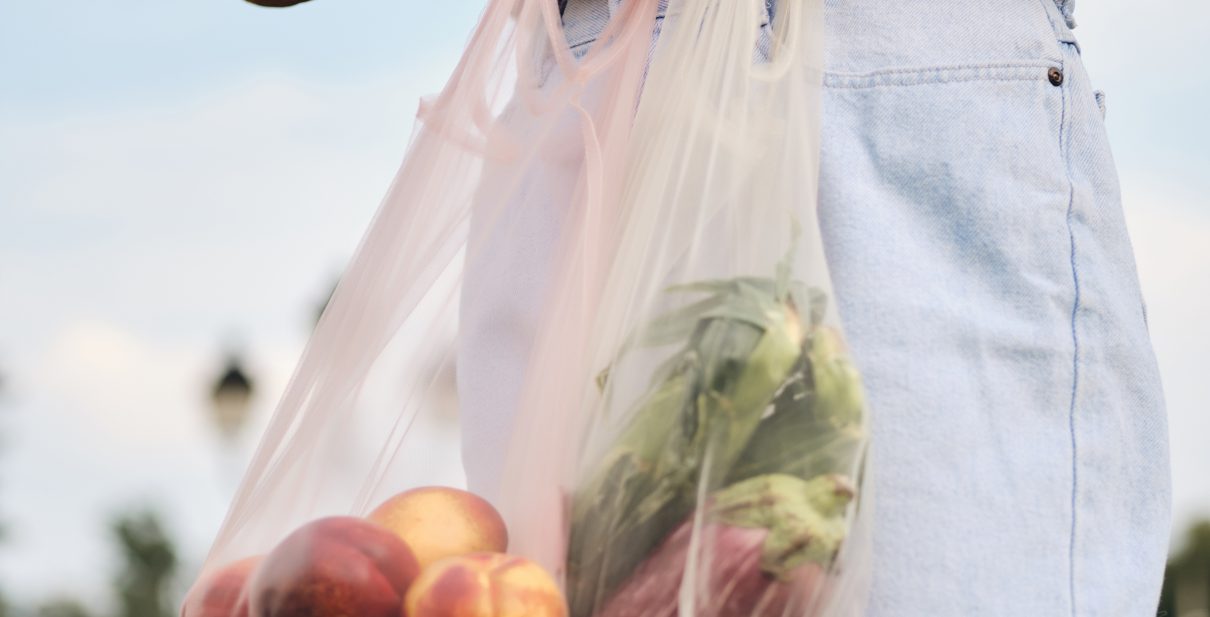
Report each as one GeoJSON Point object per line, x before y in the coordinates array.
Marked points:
{"type": "Point", "coordinates": [1056, 76]}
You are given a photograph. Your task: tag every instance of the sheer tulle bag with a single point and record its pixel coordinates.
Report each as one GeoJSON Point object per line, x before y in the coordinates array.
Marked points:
{"type": "Point", "coordinates": [618, 257]}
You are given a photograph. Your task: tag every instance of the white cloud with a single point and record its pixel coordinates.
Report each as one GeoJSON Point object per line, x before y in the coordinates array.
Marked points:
{"type": "Point", "coordinates": [125, 392]}
{"type": "Point", "coordinates": [133, 241]}
{"type": "Point", "coordinates": [189, 219]}
{"type": "Point", "coordinates": [105, 420]}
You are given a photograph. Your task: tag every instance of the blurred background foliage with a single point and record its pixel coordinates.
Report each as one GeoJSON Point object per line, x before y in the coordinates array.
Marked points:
{"type": "Point", "coordinates": [146, 582]}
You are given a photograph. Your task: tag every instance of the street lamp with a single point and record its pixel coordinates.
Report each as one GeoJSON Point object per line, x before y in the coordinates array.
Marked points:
{"type": "Point", "coordinates": [231, 398]}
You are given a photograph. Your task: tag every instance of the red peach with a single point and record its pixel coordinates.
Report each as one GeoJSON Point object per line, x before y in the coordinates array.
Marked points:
{"type": "Point", "coordinates": [438, 522]}
{"type": "Point", "coordinates": [334, 567]}
{"type": "Point", "coordinates": [220, 592]}
{"type": "Point", "coordinates": [485, 585]}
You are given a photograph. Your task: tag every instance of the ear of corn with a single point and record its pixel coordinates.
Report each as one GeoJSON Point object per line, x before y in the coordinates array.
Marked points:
{"type": "Point", "coordinates": [759, 400]}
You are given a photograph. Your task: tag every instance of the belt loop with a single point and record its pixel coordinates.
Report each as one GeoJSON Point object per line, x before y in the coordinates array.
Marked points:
{"type": "Point", "coordinates": [1068, 8]}
{"type": "Point", "coordinates": [1058, 13]}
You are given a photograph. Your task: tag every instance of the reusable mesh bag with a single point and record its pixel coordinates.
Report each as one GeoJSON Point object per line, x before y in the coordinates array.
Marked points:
{"type": "Point", "coordinates": [657, 410]}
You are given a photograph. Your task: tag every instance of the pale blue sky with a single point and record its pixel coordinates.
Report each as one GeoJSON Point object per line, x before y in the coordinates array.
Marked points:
{"type": "Point", "coordinates": [73, 54]}
{"type": "Point", "coordinates": [174, 173]}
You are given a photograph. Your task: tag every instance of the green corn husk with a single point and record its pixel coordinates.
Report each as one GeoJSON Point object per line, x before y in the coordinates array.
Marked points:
{"type": "Point", "coordinates": [805, 519]}
{"type": "Point", "coordinates": [816, 426]}
{"type": "Point", "coordinates": [744, 340]}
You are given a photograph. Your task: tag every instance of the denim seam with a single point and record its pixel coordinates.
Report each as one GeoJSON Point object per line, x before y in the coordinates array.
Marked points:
{"type": "Point", "coordinates": [911, 76]}
{"type": "Point", "coordinates": [951, 67]}
{"type": "Point", "coordinates": [1065, 152]}
{"type": "Point", "coordinates": [1062, 35]}
{"type": "Point", "coordinates": [831, 83]}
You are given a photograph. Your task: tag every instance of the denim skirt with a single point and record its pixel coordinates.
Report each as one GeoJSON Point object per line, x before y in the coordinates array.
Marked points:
{"type": "Point", "coordinates": [973, 226]}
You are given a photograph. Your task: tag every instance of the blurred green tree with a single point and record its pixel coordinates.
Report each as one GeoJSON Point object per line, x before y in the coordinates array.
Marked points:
{"type": "Point", "coordinates": [1187, 578]}
{"type": "Point", "coordinates": [145, 582]}
{"type": "Point", "coordinates": [62, 607]}
{"type": "Point", "coordinates": [5, 609]}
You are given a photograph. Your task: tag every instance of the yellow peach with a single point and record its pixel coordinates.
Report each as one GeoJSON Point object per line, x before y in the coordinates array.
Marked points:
{"type": "Point", "coordinates": [485, 585]}
{"type": "Point", "coordinates": [439, 522]}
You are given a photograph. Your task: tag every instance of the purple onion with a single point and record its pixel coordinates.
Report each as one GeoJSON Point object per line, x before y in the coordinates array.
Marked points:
{"type": "Point", "coordinates": [730, 581]}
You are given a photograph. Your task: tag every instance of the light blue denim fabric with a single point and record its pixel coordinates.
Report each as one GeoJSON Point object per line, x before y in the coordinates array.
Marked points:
{"type": "Point", "coordinates": [974, 230]}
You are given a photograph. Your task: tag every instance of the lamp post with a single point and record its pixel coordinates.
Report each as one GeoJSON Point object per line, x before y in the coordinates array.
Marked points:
{"type": "Point", "coordinates": [230, 404]}
{"type": "Point", "coordinates": [231, 398]}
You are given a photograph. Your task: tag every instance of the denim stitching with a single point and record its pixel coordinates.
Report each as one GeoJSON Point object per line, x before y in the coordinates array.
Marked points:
{"type": "Point", "coordinates": [1062, 33]}
{"type": "Point", "coordinates": [1075, 339]}
{"type": "Point", "coordinates": [952, 67]}
{"type": "Point", "coordinates": [830, 83]}
{"type": "Point", "coordinates": [910, 76]}
{"type": "Point", "coordinates": [1075, 343]}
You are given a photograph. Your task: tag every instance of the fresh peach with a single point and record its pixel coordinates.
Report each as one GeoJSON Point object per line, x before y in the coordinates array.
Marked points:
{"type": "Point", "coordinates": [220, 592]}
{"type": "Point", "coordinates": [439, 522]}
{"type": "Point", "coordinates": [334, 567]}
{"type": "Point", "coordinates": [485, 585]}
